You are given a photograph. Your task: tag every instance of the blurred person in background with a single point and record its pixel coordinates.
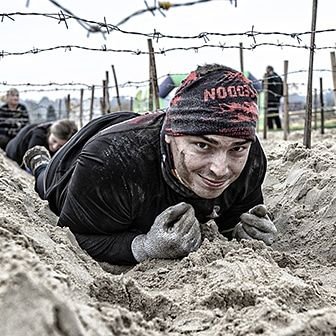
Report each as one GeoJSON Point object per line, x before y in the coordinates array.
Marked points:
{"type": "Point", "coordinates": [274, 94]}
{"type": "Point", "coordinates": [13, 117]}
{"type": "Point", "coordinates": [51, 135]}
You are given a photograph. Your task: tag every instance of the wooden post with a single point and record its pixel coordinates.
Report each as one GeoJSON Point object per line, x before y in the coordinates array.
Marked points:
{"type": "Point", "coordinates": [153, 76]}
{"type": "Point", "coordinates": [92, 102]}
{"type": "Point", "coordinates": [322, 106]}
{"type": "Point", "coordinates": [241, 57]}
{"type": "Point", "coordinates": [131, 104]}
{"type": "Point", "coordinates": [107, 95]}
{"type": "Point", "coordinates": [68, 106]}
{"type": "Point", "coordinates": [101, 103]}
{"type": "Point", "coordinates": [116, 86]}
{"type": "Point", "coordinates": [315, 109]}
{"type": "Point", "coordinates": [103, 100]}
{"type": "Point", "coordinates": [286, 114]}
{"type": "Point", "coordinates": [150, 88]}
{"type": "Point", "coordinates": [60, 109]}
{"type": "Point", "coordinates": [308, 115]}
{"type": "Point", "coordinates": [265, 80]}
{"type": "Point", "coordinates": [81, 108]}
{"type": "Point", "coordinates": [333, 72]}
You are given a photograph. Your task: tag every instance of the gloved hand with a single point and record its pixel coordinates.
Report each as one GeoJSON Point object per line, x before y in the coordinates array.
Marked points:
{"type": "Point", "coordinates": [256, 224]}
{"type": "Point", "coordinates": [175, 233]}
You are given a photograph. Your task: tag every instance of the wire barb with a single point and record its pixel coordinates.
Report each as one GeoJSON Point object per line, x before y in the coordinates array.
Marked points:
{"type": "Point", "coordinates": [62, 18]}
{"type": "Point", "coordinates": [6, 15]}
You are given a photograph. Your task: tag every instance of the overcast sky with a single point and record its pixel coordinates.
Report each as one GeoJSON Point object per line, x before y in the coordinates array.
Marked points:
{"type": "Point", "coordinates": [24, 33]}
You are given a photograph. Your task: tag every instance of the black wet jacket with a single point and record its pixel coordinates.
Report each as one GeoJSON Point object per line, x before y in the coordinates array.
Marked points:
{"type": "Point", "coordinates": [274, 87]}
{"type": "Point", "coordinates": [122, 180]}
{"type": "Point", "coordinates": [28, 137]}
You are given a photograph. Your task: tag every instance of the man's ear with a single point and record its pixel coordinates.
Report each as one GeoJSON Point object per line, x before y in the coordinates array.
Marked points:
{"type": "Point", "coordinates": [167, 139]}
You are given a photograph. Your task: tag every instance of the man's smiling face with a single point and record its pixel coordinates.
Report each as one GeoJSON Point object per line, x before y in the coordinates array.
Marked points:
{"type": "Point", "coordinates": [208, 164]}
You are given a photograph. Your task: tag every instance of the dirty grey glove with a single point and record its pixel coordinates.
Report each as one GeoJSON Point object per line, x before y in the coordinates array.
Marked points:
{"type": "Point", "coordinates": [256, 224]}
{"type": "Point", "coordinates": [175, 233]}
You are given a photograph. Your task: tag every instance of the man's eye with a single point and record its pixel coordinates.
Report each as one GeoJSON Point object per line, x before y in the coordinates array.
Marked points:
{"type": "Point", "coordinates": [238, 149]}
{"type": "Point", "coordinates": [202, 145]}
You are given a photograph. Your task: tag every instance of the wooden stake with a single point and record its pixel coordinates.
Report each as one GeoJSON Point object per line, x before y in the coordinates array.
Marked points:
{"type": "Point", "coordinates": [286, 115]}
{"type": "Point", "coordinates": [322, 105]}
{"type": "Point", "coordinates": [116, 86]}
{"type": "Point", "coordinates": [308, 115]}
{"type": "Point", "coordinates": [131, 104]}
{"type": "Point", "coordinates": [265, 105]}
{"type": "Point", "coordinates": [241, 57]}
{"type": "Point", "coordinates": [92, 102]}
{"type": "Point", "coordinates": [153, 75]}
{"type": "Point", "coordinates": [103, 100]}
{"type": "Point", "coordinates": [150, 89]}
{"type": "Point", "coordinates": [315, 109]}
{"type": "Point", "coordinates": [81, 108]}
{"type": "Point", "coordinates": [68, 106]}
{"type": "Point", "coordinates": [333, 71]}
{"type": "Point", "coordinates": [107, 95]}
{"type": "Point", "coordinates": [60, 109]}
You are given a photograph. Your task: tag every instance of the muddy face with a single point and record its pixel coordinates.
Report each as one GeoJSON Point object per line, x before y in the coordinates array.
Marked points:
{"type": "Point", "coordinates": [208, 164]}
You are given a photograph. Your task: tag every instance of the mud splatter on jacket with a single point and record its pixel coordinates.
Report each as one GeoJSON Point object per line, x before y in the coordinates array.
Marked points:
{"type": "Point", "coordinates": [122, 180]}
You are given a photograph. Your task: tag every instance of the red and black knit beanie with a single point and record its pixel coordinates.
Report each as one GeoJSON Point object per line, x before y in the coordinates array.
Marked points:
{"type": "Point", "coordinates": [214, 99]}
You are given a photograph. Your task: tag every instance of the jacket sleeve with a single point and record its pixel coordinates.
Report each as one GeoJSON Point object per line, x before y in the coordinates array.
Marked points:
{"type": "Point", "coordinates": [12, 149]}
{"type": "Point", "coordinates": [113, 248]}
{"type": "Point", "coordinates": [98, 206]}
{"type": "Point", "coordinates": [38, 137]}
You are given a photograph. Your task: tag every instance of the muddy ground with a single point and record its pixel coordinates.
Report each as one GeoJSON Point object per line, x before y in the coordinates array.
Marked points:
{"type": "Point", "coordinates": [49, 286]}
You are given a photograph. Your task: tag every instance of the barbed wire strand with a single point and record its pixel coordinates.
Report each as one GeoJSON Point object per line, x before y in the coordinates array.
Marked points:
{"type": "Point", "coordinates": [97, 27]}
{"type": "Point", "coordinates": [156, 35]}
{"type": "Point", "coordinates": [128, 84]}
{"type": "Point", "coordinates": [104, 48]}
{"type": "Point", "coordinates": [87, 26]}
{"type": "Point", "coordinates": [163, 5]}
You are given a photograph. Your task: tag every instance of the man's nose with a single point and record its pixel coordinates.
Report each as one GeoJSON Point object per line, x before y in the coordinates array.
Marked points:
{"type": "Point", "coordinates": [219, 164]}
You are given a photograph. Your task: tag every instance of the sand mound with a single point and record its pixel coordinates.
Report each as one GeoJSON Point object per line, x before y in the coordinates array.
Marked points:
{"type": "Point", "coordinates": [49, 286]}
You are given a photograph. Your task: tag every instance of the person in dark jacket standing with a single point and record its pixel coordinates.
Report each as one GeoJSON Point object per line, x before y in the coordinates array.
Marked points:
{"type": "Point", "coordinates": [142, 186]}
{"type": "Point", "coordinates": [13, 117]}
{"type": "Point", "coordinates": [51, 135]}
{"type": "Point", "coordinates": [274, 94]}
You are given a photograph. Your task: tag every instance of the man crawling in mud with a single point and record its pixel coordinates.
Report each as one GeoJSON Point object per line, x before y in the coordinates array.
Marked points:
{"type": "Point", "coordinates": [132, 187]}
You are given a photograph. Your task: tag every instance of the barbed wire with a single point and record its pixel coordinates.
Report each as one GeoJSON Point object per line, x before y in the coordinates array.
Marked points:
{"type": "Point", "coordinates": [158, 7]}
{"type": "Point", "coordinates": [97, 26]}
{"type": "Point", "coordinates": [114, 97]}
{"type": "Point", "coordinates": [129, 84]}
{"type": "Point", "coordinates": [89, 86]}
{"type": "Point", "coordinates": [104, 48]}
{"type": "Point", "coordinates": [87, 26]}
{"type": "Point", "coordinates": [164, 5]}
